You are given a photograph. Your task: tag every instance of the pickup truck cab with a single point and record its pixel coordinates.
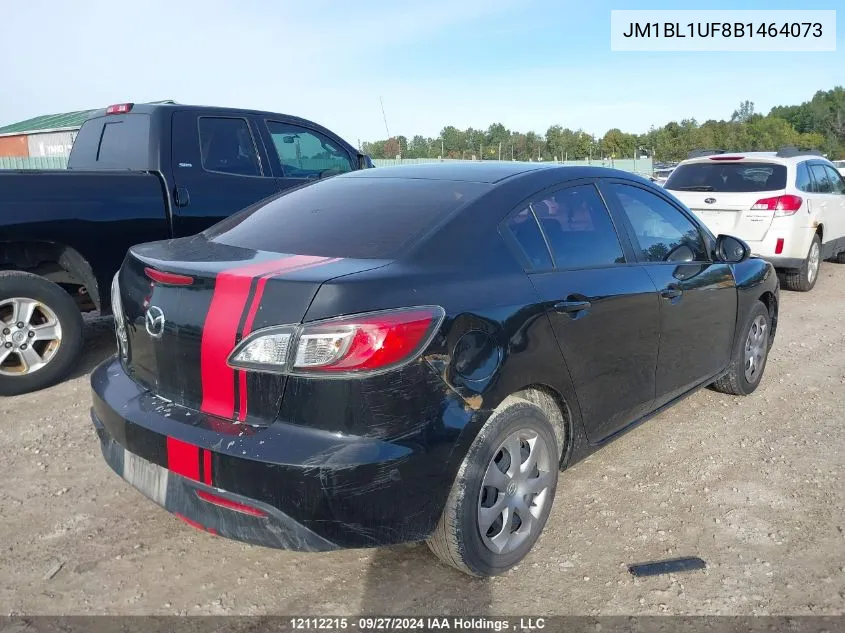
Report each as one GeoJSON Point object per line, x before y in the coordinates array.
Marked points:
{"type": "Point", "coordinates": [136, 173]}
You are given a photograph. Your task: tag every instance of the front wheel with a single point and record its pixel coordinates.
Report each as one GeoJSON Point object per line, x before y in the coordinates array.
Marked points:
{"type": "Point", "coordinates": [41, 333]}
{"type": "Point", "coordinates": [503, 493]}
{"type": "Point", "coordinates": [749, 359]}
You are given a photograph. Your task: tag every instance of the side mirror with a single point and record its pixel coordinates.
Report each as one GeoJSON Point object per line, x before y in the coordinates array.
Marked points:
{"type": "Point", "coordinates": [731, 250]}
{"type": "Point", "coordinates": [365, 162]}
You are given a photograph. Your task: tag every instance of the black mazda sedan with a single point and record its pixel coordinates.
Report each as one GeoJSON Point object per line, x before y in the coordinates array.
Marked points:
{"type": "Point", "coordinates": [414, 353]}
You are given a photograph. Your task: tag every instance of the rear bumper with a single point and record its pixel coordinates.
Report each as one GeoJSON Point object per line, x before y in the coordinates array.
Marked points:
{"type": "Point", "coordinates": [795, 245]}
{"type": "Point", "coordinates": [303, 489]}
{"type": "Point", "coordinates": [181, 496]}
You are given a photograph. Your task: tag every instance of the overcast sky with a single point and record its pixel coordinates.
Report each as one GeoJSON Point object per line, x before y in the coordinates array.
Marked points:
{"type": "Point", "coordinates": [525, 63]}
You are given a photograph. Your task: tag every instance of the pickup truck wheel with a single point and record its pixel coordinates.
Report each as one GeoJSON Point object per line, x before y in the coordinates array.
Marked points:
{"type": "Point", "coordinates": [805, 277]}
{"type": "Point", "coordinates": [40, 333]}
{"type": "Point", "coordinates": [749, 359]}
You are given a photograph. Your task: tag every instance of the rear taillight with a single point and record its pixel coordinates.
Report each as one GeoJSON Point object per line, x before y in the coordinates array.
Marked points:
{"type": "Point", "coordinates": [358, 344]}
{"type": "Point", "coordinates": [119, 108]}
{"type": "Point", "coordinates": [781, 205]}
{"type": "Point", "coordinates": [727, 157]}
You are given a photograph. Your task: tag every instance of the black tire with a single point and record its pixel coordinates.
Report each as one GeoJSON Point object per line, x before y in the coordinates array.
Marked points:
{"type": "Point", "coordinates": [457, 539]}
{"type": "Point", "coordinates": [799, 279]}
{"type": "Point", "coordinates": [26, 285]}
{"type": "Point", "coordinates": [839, 258]}
{"type": "Point", "coordinates": [735, 381]}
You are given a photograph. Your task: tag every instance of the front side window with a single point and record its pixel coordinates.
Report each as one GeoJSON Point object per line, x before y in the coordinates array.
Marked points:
{"type": "Point", "coordinates": [304, 153]}
{"type": "Point", "coordinates": [662, 232]}
{"type": "Point", "coordinates": [227, 146]}
{"type": "Point", "coordinates": [578, 228]}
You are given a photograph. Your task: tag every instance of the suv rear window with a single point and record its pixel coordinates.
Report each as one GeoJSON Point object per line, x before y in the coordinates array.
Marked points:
{"type": "Point", "coordinates": [354, 217]}
{"type": "Point", "coordinates": [727, 177]}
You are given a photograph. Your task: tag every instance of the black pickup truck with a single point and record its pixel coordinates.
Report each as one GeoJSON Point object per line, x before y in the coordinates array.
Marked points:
{"type": "Point", "coordinates": [136, 173]}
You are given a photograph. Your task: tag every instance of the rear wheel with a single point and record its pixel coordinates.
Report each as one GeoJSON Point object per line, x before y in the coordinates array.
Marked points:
{"type": "Point", "coordinates": [503, 493]}
{"type": "Point", "coordinates": [40, 333]}
{"type": "Point", "coordinates": [749, 359]}
{"type": "Point", "coordinates": [805, 277]}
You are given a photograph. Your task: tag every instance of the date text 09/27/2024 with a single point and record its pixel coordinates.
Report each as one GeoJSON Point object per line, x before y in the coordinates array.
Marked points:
{"type": "Point", "coordinates": [723, 29]}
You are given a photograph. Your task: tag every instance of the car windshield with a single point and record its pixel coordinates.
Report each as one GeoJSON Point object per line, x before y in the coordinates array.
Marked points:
{"type": "Point", "coordinates": [728, 177]}
{"type": "Point", "coordinates": [354, 217]}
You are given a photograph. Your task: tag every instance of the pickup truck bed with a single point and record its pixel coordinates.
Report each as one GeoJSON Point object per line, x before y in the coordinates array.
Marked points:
{"type": "Point", "coordinates": [136, 173]}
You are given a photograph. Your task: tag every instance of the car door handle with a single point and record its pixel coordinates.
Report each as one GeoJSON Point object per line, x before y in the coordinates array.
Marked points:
{"type": "Point", "coordinates": [182, 197]}
{"type": "Point", "coordinates": [671, 292]}
{"type": "Point", "coordinates": [571, 307]}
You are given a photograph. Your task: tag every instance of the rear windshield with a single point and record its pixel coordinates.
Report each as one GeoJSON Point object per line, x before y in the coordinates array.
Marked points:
{"type": "Point", "coordinates": [354, 217]}
{"type": "Point", "coordinates": [729, 177]}
{"type": "Point", "coordinates": [117, 142]}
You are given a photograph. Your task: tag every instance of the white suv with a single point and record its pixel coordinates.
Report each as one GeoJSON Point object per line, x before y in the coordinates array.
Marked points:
{"type": "Point", "coordinates": [788, 205]}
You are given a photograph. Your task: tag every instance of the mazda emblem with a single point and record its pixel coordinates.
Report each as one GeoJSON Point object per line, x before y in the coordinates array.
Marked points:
{"type": "Point", "coordinates": [710, 200]}
{"type": "Point", "coordinates": [154, 322]}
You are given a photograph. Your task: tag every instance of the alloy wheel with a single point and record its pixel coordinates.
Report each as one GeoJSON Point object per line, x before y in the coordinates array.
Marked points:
{"type": "Point", "coordinates": [30, 336]}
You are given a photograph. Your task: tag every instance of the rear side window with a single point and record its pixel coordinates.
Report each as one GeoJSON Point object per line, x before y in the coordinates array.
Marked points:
{"type": "Point", "coordinates": [526, 232]}
{"type": "Point", "coordinates": [578, 228]}
{"type": "Point", "coordinates": [803, 182]}
{"type": "Point", "coordinates": [822, 181]}
{"type": "Point", "coordinates": [728, 177]}
{"type": "Point", "coordinates": [835, 179]}
{"type": "Point", "coordinates": [227, 146]}
{"type": "Point", "coordinates": [347, 216]}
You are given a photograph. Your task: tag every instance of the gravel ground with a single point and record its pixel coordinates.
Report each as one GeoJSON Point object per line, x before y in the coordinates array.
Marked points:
{"type": "Point", "coordinates": [753, 486]}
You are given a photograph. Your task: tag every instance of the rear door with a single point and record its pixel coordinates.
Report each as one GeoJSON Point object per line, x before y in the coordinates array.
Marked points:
{"type": "Point", "coordinates": [723, 193]}
{"type": "Point", "coordinates": [219, 167]}
{"type": "Point", "coordinates": [832, 200]}
{"type": "Point", "coordinates": [603, 308]}
{"type": "Point", "coordinates": [300, 154]}
{"type": "Point", "coordinates": [698, 299]}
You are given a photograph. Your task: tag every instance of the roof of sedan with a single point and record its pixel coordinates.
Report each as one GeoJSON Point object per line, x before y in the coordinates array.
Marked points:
{"type": "Point", "coordinates": [482, 171]}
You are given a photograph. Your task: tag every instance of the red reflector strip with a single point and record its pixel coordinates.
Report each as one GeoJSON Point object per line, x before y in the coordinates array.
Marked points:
{"type": "Point", "coordinates": [229, 504]}
{"type": "Point", "coordinates": [194, 524]}
{"type": "Point", "coordinates": [173, 279]}
{"type": "Point", "coordinates": [779, 246]}
{"type": "Point", "coordinates": [183, 458]}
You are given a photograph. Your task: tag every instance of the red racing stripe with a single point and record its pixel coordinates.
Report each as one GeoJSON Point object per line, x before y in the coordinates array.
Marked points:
{"type": "Point", "coordinates": [183, 458]}
{"type": "Point", "coordinates": [228, 302]}
{"type": "Point", "coordinates": [206, 463]}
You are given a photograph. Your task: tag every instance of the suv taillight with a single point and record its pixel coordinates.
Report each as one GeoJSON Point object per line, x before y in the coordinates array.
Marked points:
{"type": "Point", "coordinates": [781, 205]}
{"type": "Point", "coordinates": [352, 345]}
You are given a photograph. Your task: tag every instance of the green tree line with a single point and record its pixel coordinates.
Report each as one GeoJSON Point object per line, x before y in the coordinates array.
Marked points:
{"type": "Point", "coordinates": [817, 124]}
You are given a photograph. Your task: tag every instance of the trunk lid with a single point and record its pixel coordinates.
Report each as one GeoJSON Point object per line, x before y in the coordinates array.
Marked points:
{"type": "Point", "coordinates": [730, 213]}
{"type": "Point", "coordinates": [180, 332]}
